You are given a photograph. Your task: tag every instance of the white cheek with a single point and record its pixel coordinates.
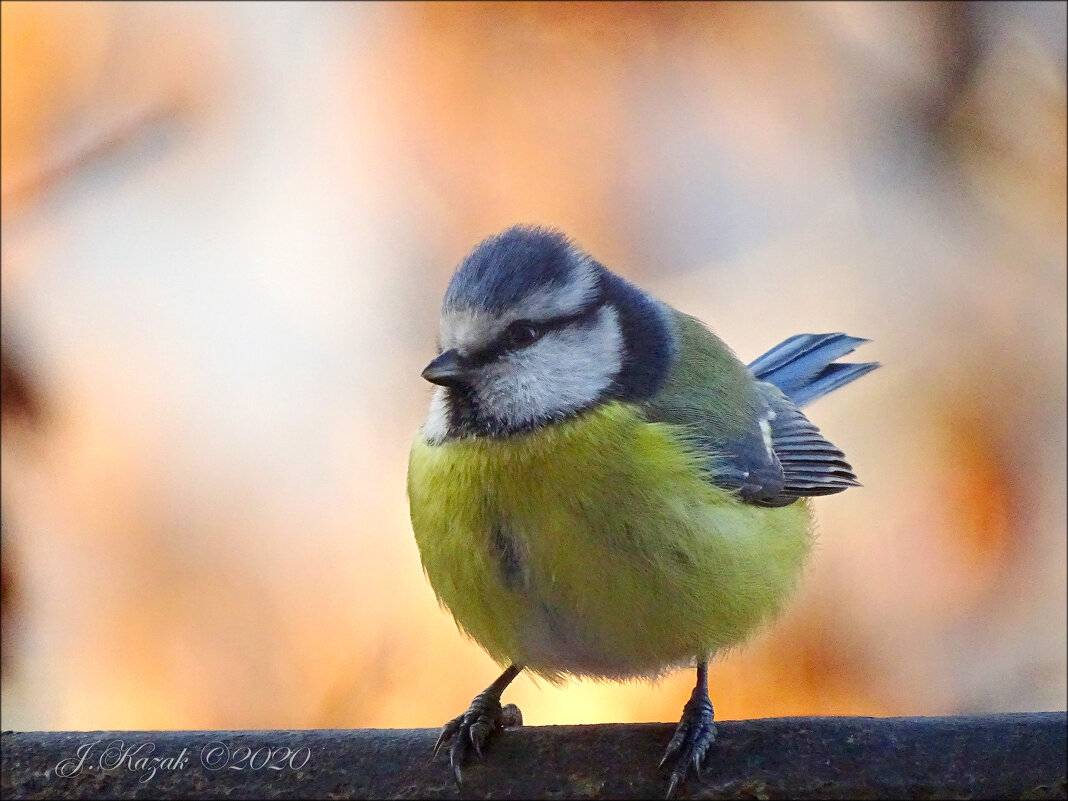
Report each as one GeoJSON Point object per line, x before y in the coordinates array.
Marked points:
{"type": "Point", "coordinates": [565, 371]}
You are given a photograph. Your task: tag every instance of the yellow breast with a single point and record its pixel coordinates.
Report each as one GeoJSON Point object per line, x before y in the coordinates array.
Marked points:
{"type": "Point", "coordinates": [596, 546]}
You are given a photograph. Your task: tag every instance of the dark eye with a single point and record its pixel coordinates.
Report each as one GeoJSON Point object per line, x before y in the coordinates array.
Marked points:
{"type": "Point", "coordinates": [522, 333]}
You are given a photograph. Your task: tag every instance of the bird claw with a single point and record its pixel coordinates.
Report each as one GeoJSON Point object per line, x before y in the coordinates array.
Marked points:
{"type": "Point", "coordinates": [478, 732]}
{"type": "Point", "coordinates": [447, 732]}
{"type": "Point", "coordinates": [691, 740]}
{"type": "Point", "coordinates": [457, 775]}
{"type": "Point", "coordinates": [471, 730]}
{"type": "Point", "coordinates": [671, 787]}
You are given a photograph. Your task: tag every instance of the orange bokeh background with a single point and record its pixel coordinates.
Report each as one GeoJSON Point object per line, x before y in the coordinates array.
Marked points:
{"type": "Point", "coordinates": [226, 230]}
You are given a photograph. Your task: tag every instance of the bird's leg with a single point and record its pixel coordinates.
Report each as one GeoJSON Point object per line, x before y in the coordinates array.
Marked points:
{"type": "Point", "coordinates": [470, 730]}
{"type": "Point", "coordinates": [694, 735]}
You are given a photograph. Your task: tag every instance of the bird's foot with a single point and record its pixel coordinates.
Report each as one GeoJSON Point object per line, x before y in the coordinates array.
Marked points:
{"type": "Point", "coordinates": [694, 735]}
{"type": "Point", "coordinates": [469, 732]}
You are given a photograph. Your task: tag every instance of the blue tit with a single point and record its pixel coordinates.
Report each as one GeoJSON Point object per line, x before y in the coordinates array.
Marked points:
{"type": "Point", "coordinates": [601, 488]}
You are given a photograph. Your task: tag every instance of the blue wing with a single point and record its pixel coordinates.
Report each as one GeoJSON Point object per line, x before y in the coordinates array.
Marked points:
{"type": "Point", "coordinates": [767, 450]}
{"type": "Point", "coordinates": [791, 375]}
{"type": "Point", "coordinates": [803, 367]}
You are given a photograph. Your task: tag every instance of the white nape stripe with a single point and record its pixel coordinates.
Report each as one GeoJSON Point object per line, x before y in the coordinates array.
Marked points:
{"type": "Point", "coordinates": [469, 329]}
{"type": "Point", "coordinates": [550, 301]}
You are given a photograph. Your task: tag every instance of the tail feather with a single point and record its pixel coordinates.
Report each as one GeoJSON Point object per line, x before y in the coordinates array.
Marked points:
{"type": "Point", "coordinates": [804, 367]}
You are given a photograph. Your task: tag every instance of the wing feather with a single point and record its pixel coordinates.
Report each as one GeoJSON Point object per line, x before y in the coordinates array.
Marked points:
{"type": "Point", "coordinates": [748, 420]}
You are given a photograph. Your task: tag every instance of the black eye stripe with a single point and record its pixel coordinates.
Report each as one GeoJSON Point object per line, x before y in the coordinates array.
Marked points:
{"type": "Point", "coordinates": [496, 348]}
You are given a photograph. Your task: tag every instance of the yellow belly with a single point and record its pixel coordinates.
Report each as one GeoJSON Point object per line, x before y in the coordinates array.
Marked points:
{"type": "Point", "coordinates": [595, 546]}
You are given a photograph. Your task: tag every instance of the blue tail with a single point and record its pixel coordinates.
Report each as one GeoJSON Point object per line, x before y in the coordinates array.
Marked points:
{"type": "Point", "coordinates": [803, 366]}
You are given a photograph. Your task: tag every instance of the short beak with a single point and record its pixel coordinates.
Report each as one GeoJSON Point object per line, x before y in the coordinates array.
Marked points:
{"type": "Point", "coordinates": [445, 370]}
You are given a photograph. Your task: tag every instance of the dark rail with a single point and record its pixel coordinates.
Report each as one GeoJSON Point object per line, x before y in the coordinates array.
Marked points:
{"type": "Point", "coordinates": [990, 756]}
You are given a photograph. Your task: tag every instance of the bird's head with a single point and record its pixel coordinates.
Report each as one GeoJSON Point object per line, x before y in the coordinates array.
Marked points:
{"type": "Point", "coordinates": [533, 330]}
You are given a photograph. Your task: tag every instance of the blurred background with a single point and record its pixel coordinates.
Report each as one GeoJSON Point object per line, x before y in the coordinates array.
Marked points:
{"type": "Point", "coordinates": [226, 232]}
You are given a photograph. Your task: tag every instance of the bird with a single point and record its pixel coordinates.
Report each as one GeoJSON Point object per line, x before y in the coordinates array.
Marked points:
{"type": "Point", "coordinates": [601, 488]}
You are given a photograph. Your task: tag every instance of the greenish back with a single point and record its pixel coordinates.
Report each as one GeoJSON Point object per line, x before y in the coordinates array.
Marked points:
{"type": "Point", "coordinates": [708, 388]}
